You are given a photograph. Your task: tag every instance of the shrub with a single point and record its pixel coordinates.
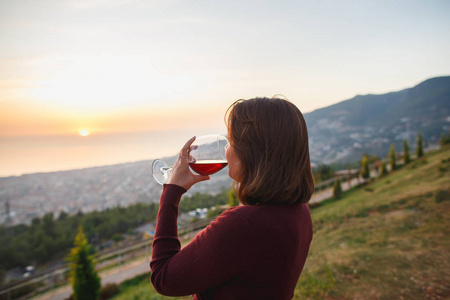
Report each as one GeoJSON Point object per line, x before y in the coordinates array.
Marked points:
{"type": "Point", "coordinates": [442, 196]}
{"type": "Point", "coordinates": [109, 291]}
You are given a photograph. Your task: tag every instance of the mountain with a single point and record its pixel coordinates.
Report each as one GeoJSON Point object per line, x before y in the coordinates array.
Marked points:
{"type": "Point", "coordinates": [338, 133]}
{"type": "Point", "coordinates": [371, 123]}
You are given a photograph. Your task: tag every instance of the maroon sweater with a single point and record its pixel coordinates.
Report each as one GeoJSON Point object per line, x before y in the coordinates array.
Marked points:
{"type": "Point", "coordinates": [248, 252]}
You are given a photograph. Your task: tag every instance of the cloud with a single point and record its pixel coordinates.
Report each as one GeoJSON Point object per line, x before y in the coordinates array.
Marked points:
{"type": "Point", "coordinates": [88, 4]}
{"type": "Point", "coordinates": [187, 20]}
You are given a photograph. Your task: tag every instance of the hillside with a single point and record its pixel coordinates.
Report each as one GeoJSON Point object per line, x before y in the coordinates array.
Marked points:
{"type": "Point", "coordinates": [371, 123]}
{"type": "Point", "coordinates": [384, 240]}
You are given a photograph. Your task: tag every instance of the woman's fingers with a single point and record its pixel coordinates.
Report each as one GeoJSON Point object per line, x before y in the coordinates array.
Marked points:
{"type": "Point", "coordinates": [181, 174]}
{"type": "Point", "coordinates": [184, 153]}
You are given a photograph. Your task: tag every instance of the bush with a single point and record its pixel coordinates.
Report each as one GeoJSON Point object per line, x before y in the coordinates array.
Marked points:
{"type": "Point", "coordinates": [109, 291]}
{"type": "Point", "coordinates": [442, 196]}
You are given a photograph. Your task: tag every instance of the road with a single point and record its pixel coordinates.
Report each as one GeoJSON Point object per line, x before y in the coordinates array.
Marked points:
{"type": "Point", "coordinates": [116, 275]}
{"type": "Point", "coordinates": [328, 193]}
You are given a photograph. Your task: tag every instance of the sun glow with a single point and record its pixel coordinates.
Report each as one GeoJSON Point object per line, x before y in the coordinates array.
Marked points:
{"type": "Point", "coordinates": [92, 83]}
{"type": "Point", "coordinates": [84, 132]}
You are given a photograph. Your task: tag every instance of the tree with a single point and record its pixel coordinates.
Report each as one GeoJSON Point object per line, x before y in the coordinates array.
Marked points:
{"type": "Point", "coordinates": [444, 139]}
{"type": "Point", "coordinates": [2, 276]}
{"type": "Point", "coordinates": [365, 170]}
{"type": "Point", "coordinates": [392, 162]}
{"type": "Point", "coordinates": [419, 149]}
{"type": "Point", "coordinates": [84, 279]}
{"type": "Point", "coordinates": [323, 172]}
{"type": "Point", "coordinates": [383, 169]}
{"type": "Point", "coordinates": [214, 212]}
{"type": "Point", "coordinates": [48, 224]}
{"type": "Point", "coordinates": [406, 157]}
{"type": "Point", "coordinates": [62, 216]}
{"type": "Point", "coordinates": [337, 189]}
{"type": "Point", "coordinates": [117, 237]}
{"type": "Point", "coordinates": [232, 198]}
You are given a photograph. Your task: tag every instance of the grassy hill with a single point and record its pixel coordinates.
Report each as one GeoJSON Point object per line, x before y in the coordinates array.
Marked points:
{"type": "Point", "coordinates": [385, 240]}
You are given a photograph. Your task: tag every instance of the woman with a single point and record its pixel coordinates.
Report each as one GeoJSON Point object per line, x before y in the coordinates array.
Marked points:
{"type": "Point", "coordinates": [256, 250]}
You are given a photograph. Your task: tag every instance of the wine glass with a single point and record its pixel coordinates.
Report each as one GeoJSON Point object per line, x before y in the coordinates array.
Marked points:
{"type": "Point", "coordinates": [206, 157]}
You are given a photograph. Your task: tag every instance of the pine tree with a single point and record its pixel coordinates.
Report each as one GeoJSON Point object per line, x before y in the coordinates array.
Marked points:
{"type": "Point", "coordinates": [365, 170]}
{"type": "Point", "coordinates": [419, 149]}
{"type": "Point", "coordinates": [85, 280]}
{"type": "Point", "coordinates": [406, 157]}
{"type": "Point", "coordinates": [392, 162]}
{"type": "Point", "coordinates": [337, 189]}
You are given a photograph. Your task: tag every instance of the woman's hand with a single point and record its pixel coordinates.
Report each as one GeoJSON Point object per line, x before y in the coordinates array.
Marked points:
{"type": "Point", "coordinates": [181, 175]}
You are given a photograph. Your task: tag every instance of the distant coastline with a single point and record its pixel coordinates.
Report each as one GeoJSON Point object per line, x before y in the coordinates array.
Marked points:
{"type": "Point", "coordinates": [20, 155]}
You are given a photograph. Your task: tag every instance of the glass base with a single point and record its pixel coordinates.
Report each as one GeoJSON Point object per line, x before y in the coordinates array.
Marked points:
{"type": "Point", "coordinates": [161, 171]}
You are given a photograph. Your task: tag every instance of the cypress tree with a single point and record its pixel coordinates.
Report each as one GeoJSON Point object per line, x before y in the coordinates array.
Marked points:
{"type": "Point", "coordinates": [84, 279]}
{"type": "Point", "coordinates": [383, 169]}
{"type": "Point", "coordinates": [365, 170]}
{"type": "Point", "coordinates": [406, 157]}
{"type": "Point", "coordinates": [419, 149]}
{"type": "Point", "coordinates": [444, 139]}
{"type": "Point", "coordinates": [392, 162]}
{"type": "Point", "coordinates": [337, 189]}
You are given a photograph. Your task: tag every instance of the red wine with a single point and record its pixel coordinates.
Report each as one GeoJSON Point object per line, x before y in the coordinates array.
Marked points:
{"type": "Point", "coordinates": [208, 167]}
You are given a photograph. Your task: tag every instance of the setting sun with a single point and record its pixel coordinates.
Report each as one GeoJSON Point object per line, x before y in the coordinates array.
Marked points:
{"type": "Point", "coordinates": [84, 132]}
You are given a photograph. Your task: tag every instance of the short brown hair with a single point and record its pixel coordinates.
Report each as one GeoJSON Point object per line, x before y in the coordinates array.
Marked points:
{"type": "Point", "coordinates": [270, 138]}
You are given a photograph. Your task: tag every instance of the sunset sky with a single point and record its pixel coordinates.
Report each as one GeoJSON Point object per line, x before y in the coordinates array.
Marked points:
{"type": "Point", "coordinates": [109, 66]}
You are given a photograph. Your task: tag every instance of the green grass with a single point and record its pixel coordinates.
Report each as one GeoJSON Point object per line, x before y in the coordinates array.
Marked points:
{"type": "Point", "coordinates": [140, 288]}
{"type": "Point", "coordinates": [388, 239]}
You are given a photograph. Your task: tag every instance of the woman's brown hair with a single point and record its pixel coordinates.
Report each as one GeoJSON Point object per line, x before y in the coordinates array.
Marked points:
{"type": "Point", "coordinates": [270, 138]}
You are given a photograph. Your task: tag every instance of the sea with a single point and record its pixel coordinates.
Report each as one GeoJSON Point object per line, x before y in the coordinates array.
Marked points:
{"type": "Point", "coordinates": [47, 153]}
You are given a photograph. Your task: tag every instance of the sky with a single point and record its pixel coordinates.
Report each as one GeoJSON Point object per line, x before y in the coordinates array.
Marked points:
{"type": "Point", "coordinates": [129, 66]}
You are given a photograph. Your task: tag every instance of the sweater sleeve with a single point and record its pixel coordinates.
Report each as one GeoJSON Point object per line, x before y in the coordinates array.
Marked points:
{"type": "Point", "coordinates": [222, 252]}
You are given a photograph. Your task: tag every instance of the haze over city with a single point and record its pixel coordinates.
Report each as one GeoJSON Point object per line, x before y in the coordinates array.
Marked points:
{"type": "Point", "coordinates": [86, 83]}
